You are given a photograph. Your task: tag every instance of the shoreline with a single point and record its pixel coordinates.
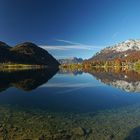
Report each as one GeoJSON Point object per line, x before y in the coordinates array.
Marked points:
{"type": "Point", "coordinates": [16, 67]}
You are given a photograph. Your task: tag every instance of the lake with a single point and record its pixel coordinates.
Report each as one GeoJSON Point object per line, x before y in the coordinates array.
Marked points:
{"type": "Point", "coordinates": [52, 104]}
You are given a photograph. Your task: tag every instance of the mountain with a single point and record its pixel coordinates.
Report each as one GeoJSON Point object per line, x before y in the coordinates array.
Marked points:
{"type": "Point", "coordinates": [127, 50]}
{"type": "Point", "coordinates": [26, 53]}
{"type": "Point", "coordinates": [4, 52]}
{"type": "Point", "coordinates": [73, 60]}
{"type": "Point", "coordinates": [4, 45]}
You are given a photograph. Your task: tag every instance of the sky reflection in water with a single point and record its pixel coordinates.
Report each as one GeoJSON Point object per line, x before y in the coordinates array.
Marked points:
{"type": "Point", "coordinates": [68, 92]}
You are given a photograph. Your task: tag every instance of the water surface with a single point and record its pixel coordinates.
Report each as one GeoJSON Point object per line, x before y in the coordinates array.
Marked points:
{"type": "Point", "coordinates": [49, 104]}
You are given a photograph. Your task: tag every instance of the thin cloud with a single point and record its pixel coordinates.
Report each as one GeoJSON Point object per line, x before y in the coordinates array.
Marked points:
{"type": "Point", "coordinates": [62, 48]}
{"type": "Point", "coordinates": [69, 42]}
{"type": "Point", "coordinates": [69, 85]}
{"type": "Point", "coordinates": [70, 46]}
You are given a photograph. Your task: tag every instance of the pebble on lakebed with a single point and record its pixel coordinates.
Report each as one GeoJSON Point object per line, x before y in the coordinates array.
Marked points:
{"type": "Point", "coordinates": [81, 131]}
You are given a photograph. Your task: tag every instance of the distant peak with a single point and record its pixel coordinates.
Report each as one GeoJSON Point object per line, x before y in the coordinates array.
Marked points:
{"type": "Point", "coordinates": [130, 44]}
{"type": "Point", "coordinates": [120, 50]}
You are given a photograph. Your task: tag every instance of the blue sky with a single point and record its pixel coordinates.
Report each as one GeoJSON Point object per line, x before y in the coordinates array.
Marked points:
{"type": "Point", "coordinates": [68, 28]}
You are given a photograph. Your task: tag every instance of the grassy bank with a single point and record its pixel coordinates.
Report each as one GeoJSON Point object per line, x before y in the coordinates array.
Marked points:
{"type": "Point", "coordinates": [12, 66]}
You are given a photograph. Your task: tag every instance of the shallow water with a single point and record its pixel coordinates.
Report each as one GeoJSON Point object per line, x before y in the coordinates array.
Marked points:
{"type": "Point", "coordinates": [49, 104]}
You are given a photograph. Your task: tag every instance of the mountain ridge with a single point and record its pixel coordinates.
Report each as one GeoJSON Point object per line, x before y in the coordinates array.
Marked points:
{"type": "Point", "coordinates": [73, 60]}
{"type": "Point", "coordinates": [26, 53]}
{"type": "Point", "coordinates": [126, 50]}
{"type": "Point", "coordinates": [130, 44]}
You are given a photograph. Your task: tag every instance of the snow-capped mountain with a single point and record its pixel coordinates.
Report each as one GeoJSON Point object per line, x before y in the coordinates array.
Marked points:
{"type": "Point", "coordinates": [130, 44]}
{"type": "Point", "coordinates": [128, 48]}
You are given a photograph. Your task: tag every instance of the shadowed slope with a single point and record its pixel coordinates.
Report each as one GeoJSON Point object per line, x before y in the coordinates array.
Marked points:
{"type": "Point", "coordinates": [26, 53]}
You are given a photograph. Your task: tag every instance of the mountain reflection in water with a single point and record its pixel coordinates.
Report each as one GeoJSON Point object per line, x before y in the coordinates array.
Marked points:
{"type": "Point", "coordinates": [124, 79]}
{"type": "Point", "coordinates": [27, 79]}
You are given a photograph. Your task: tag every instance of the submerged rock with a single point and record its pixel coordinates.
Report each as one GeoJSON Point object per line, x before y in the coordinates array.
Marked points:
{"type": "Point", "coordinates": [78, 131]}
